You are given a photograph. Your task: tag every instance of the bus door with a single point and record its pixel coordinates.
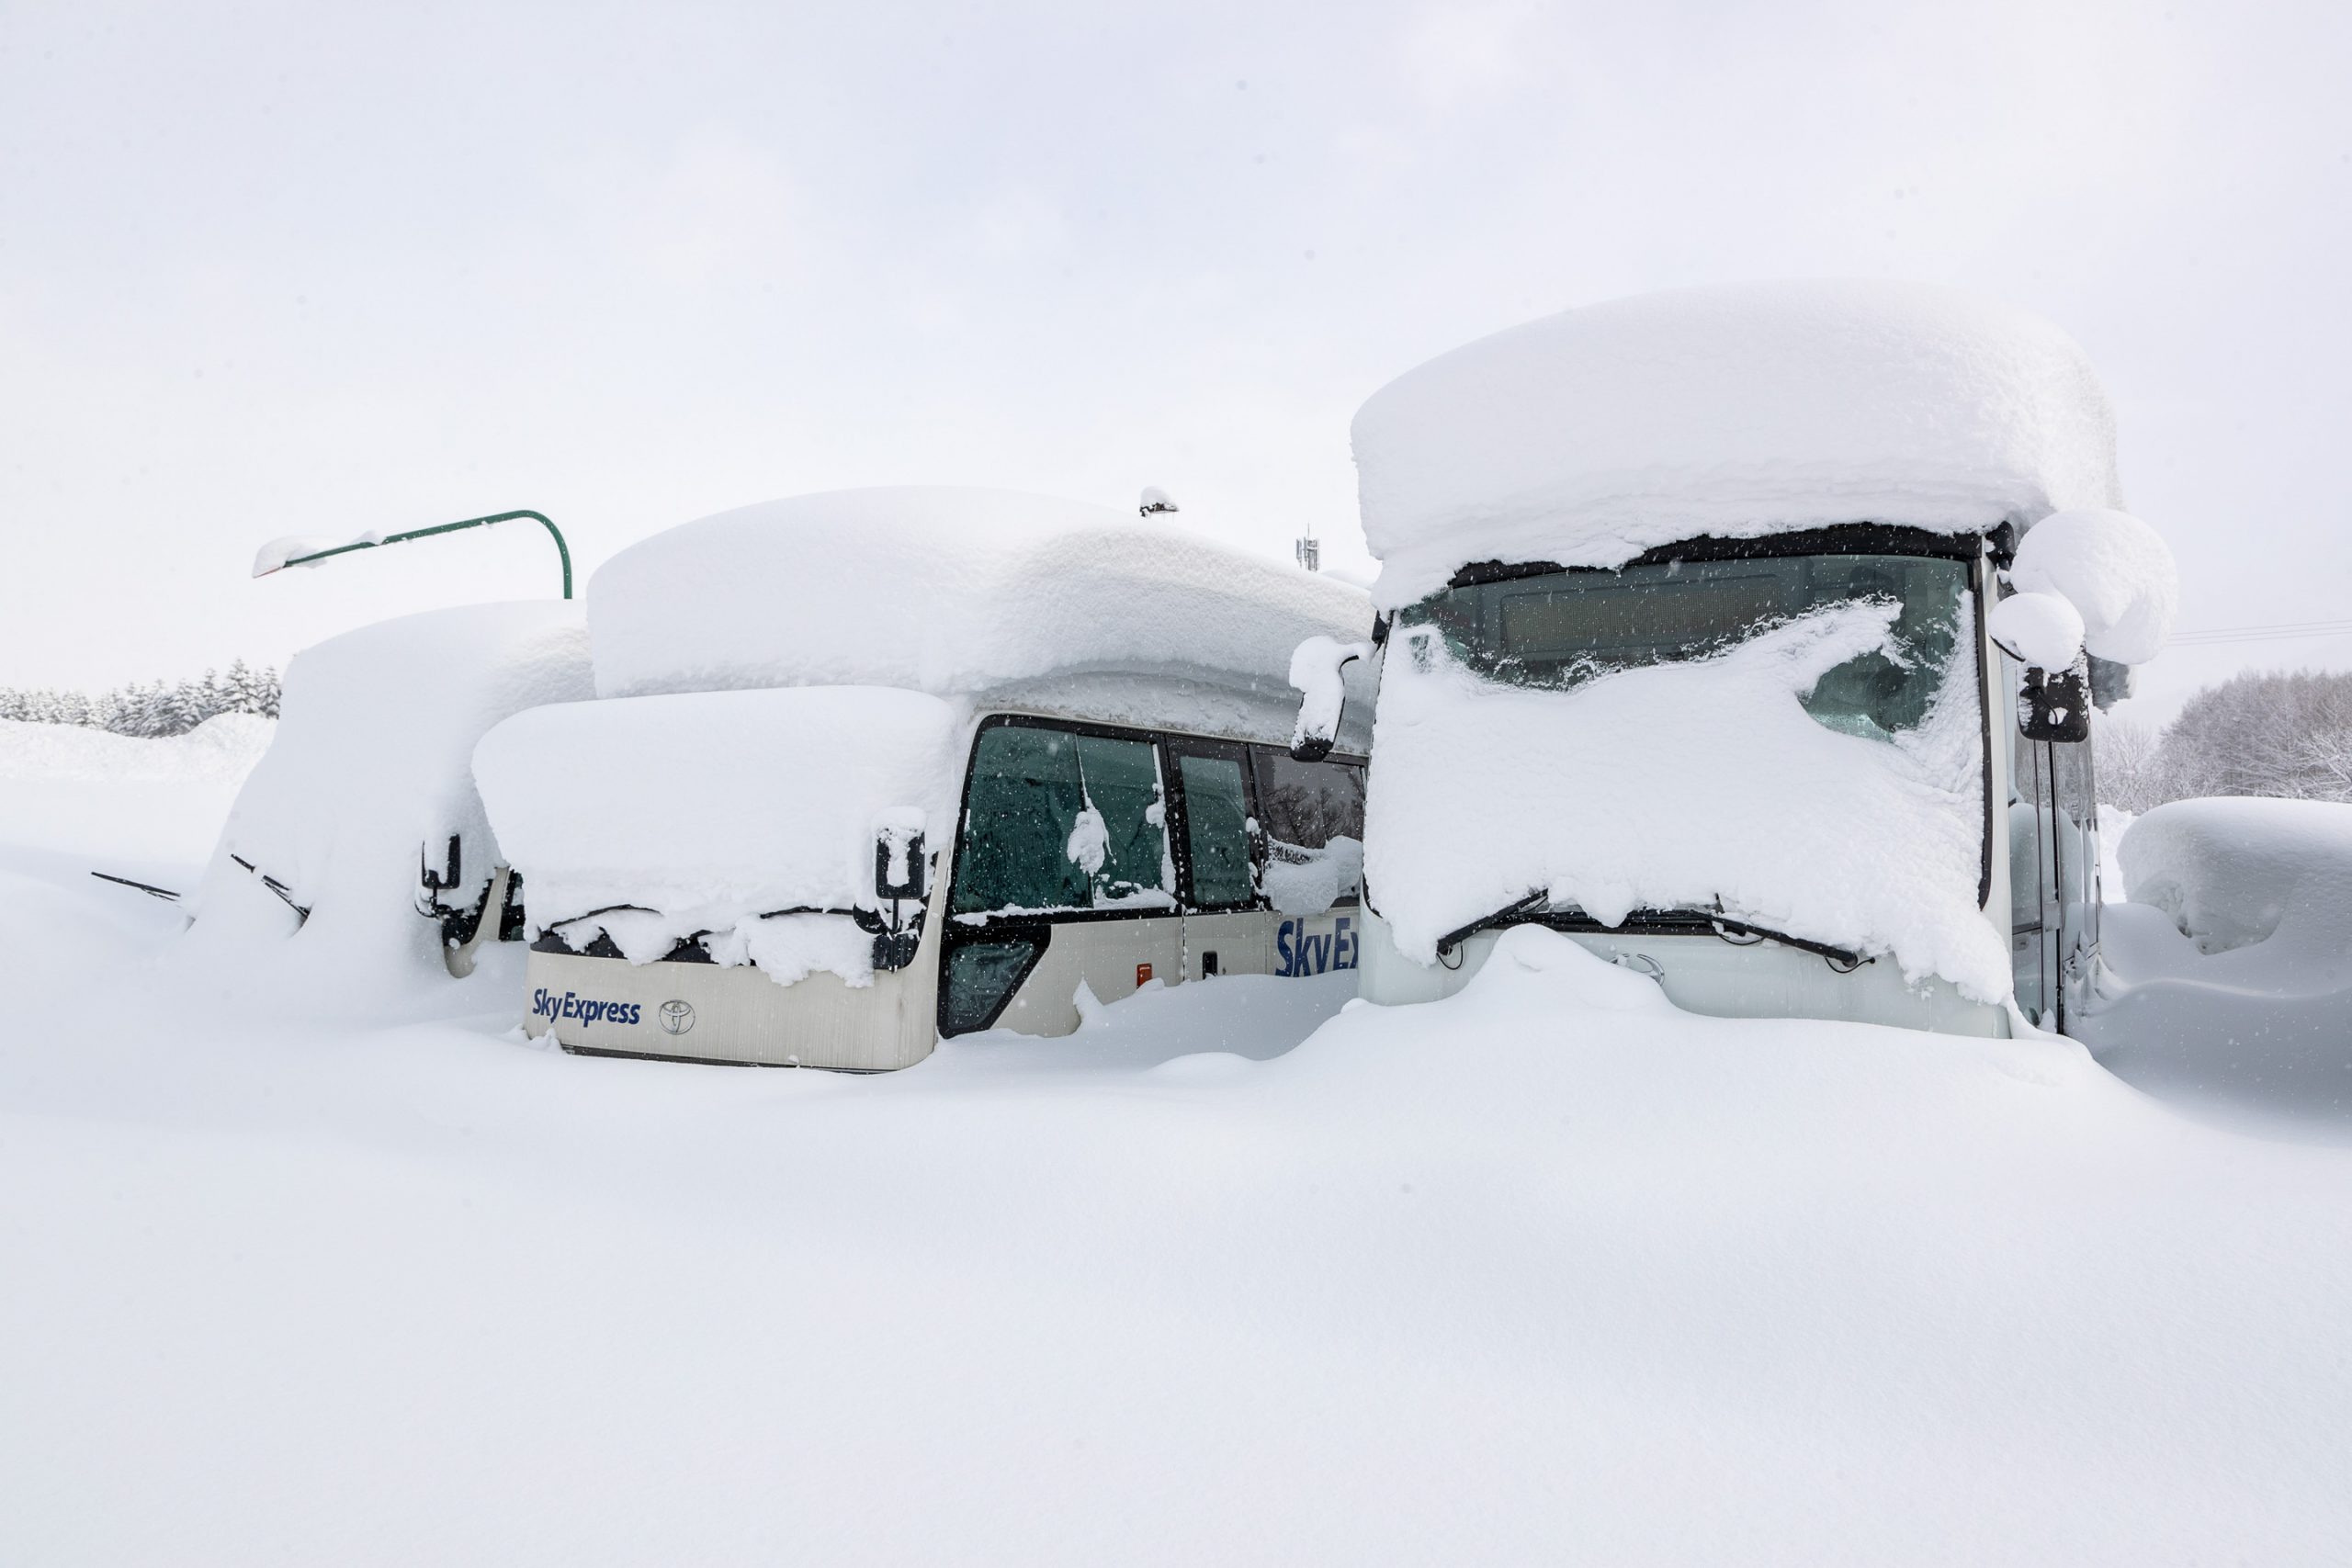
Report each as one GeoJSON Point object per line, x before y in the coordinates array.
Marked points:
{"type": "Point", "coordinates": [1226, 927]}
{"type": "Point", "coordinates": [1065, 874]}
{"type": "Point", "coordinates": [2053, 875]}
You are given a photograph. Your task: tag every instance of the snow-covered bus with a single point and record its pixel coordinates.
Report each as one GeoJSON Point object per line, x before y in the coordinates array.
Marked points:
{"type": "Point", "coordinates": [1745, 635]}
{"type": "Point", "coordinates": [869, 769]}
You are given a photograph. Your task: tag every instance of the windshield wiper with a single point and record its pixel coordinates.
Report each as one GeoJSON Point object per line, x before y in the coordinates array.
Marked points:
{"type": "Point", "coordinates": [1536, 907]}
{"type": "Point", "coordinates": [1844, 960]}
{"type": "Point", "coordinates": [1539, 899]}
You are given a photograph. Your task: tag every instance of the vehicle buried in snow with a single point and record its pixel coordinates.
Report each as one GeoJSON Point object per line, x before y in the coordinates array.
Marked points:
{"type": "Point", "coordinates": [872, 768]}
{"type": "Point", "coordinates": [357, 870]}
{"type": "Point", "coordinates": [1746, 636]}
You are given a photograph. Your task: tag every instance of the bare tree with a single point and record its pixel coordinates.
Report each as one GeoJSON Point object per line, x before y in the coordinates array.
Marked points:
{"type": "Point", "coordinates": [2130, 774]}
{"type": "Point", "coordinates": [2267, 733]}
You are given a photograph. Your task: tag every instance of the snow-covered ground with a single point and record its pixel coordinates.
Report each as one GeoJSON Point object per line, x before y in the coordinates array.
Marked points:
{"type": "Point", "coordinates": [1549, 1271]}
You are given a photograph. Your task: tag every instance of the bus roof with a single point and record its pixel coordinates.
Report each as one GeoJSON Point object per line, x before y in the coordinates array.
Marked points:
{"type": "Point", "coordinates": [950, 591]}
{"type": "Point", "coordinates": [1591, 436]}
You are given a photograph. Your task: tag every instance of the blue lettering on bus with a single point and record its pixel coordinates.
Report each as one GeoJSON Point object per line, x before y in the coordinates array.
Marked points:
{"type": "Point", "coordinates": [587, 1009]}
{"type": "Point", "coordinates": [1298, 952]}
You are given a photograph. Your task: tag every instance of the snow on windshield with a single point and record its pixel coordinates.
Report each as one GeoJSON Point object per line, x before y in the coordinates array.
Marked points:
{"type": "Point", "coordinates": [368, 771]}
{"type": "Point", "coordinates": [655, 819]}
{"type": "Point", "coordinates": [1675, 785]}
{"type": "Point", "coordinates": [1588, 437]}
{"type": "Point", "coordinates": [948, 592]}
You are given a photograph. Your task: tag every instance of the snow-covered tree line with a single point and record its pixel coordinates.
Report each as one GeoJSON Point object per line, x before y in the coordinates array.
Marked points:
{"type": "Point", "coordinates": [154, 708]}
{"type": "Point", "coordinates": [2258, 733]}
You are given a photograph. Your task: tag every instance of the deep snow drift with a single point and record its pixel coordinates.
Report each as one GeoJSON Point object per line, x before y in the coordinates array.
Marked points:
{"type": "Point", "coordinates": [368, 776]}
{"type": "Point", "coordinates": [2232, 962]}
{"type": "Point", "coordinates": [1587, 437]}
{"type": "Point", "coordinates": [1548, 1271]}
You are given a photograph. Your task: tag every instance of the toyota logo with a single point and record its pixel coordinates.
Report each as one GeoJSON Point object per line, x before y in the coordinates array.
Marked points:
{"type": "Point", "coordinates": [676, 1017]}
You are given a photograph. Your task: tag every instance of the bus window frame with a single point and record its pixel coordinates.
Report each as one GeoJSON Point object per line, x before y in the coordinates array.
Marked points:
{"type": "Point", "coordinates": [1176, 747]}
{"type": "Point", "coordinates": [1035, 924]}
{"type": "Point", "coordinates": [1259, 755]}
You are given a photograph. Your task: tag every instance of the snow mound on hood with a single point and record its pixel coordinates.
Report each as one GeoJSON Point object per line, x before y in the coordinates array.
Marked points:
{"type": "Point", "coordinates": [2233, 872]}
{"type": "Point", "coordinates": [1587, 437]}
{"type": "Point", "coordinates": [371, 764]}
{"type": "Point", "coordinates": [948, 591]}
{"type": "Point", "coordinates": [658, 818]}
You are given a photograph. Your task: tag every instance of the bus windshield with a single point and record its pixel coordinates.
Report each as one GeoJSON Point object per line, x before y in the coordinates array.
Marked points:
{"type": "Point", "coordinates": [1560, 628]}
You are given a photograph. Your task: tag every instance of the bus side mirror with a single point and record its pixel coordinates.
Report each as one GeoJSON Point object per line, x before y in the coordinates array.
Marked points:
{"type": "Point", "coordinates": [899, 876]}
{"type": "Point", "coordinates": [898, 860]}
{"type": "Point", "coordinates": [2055, 707]}
{"type": "Point", "coordinates": [2110, 682]}
{"type": "Point", "coordinates": [1315, 669]}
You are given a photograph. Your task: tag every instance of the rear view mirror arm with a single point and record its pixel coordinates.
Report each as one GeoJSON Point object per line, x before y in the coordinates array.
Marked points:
{"type": "Point", "coordinates": [1316, 671]}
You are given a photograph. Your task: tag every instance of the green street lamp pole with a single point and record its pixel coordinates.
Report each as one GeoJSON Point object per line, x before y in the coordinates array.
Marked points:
{"type": "Point", "coordinates": [561, 549]}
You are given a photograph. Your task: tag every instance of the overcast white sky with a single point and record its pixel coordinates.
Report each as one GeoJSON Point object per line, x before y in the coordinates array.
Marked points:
{"type": "Point", "coordinates": [296, 268]}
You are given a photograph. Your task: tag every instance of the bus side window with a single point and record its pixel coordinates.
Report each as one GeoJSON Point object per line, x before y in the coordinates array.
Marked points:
{"type": "Point", "coordinates": [1060, 820]}
{"type": "Point", "coordinates": [1312, 817]}
{"type": "Point", "coordinates": [1216, 830]}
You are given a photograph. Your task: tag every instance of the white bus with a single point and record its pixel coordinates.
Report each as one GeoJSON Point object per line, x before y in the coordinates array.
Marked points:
{"type": "Point", "coordinates": [1686, 652]}
{"type": "Point", "coordinates": [871, 769]}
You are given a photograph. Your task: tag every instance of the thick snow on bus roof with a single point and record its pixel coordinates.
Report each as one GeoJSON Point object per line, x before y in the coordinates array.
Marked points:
{"type": "Point", "coordinates": [1587, 437]}
{"type": "Point", "coordinates": [948, 591]}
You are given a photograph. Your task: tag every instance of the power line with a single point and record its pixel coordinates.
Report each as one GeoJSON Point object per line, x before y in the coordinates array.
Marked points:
{"type": "Point", "coordinates": [2281, 631]}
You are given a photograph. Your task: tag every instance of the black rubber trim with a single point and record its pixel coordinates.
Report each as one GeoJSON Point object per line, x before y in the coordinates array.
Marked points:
{"type": "Point", "coordinates": [1843, 540]}
{"type": "Point", "coordinates": [613, 1055]}
{"type": "Point", "coordinates": [1990, 694]}
{"type": "Point", "coordinates": [688, 949]}
{"type": "Point", "coordinates": [975, 918]}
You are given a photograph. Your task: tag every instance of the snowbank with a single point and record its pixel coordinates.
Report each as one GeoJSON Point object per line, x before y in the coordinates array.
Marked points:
{"type": "Point", "coordinates": [1540, 1273]}
{"type": "Point", "coordinates": [370, 766]}
{"type": "Point", "coordinates": [1587, 437]}
{"type": "Point", "coordinates": [1675, 786]}
{"type": "Point", "coordinates": [2234, 873]}
{"type": "Point", "coordinates": [946, 591]}
{"type": "Point", "coordinates": [705, 811]}
{"type": "Point", "coordinates": [225, 746]}
{"type": "Point", "coordinates": [2231, 969]}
